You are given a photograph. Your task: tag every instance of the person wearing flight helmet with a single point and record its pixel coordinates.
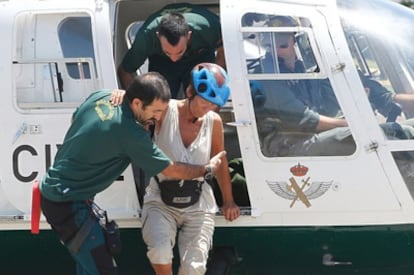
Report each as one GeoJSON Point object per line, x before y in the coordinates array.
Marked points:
{"type": "Point", "coordinates": [300, 117]}
{"type": "Point", "coordinates": [189, 131]}
{"type": "Point", "coordinates": [308, 106]}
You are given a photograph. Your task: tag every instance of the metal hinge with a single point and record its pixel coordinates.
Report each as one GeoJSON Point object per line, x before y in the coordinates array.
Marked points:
{"type": "Point", "coordinates": [338, 67]}
{"type": "Point", "coordinates": [239, 123]}
{"type": "Point", "coordinates": [372, 146]}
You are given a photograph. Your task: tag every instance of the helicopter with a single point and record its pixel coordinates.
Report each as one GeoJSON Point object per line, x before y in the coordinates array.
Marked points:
{"type": "Point", "coordinates": [343, 208]}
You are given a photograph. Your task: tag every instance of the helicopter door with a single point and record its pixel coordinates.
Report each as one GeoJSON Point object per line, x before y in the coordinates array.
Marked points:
{"type": "Point", "coordinates": [299, 170]}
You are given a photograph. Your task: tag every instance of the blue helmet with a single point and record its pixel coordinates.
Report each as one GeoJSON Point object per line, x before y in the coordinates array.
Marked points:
{"type": "Point", "coordinates": [210, 81]}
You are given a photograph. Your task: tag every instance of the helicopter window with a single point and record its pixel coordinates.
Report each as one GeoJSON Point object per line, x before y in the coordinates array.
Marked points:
{"type": "Point", "coordinates": [75, 35]}
{"type": "Point", "coordinates": [265, 34]}
{"type": "Point", "coordinates": [54, 64]}
{"type": "Point", "coordinates": [262, 49]}
{"type": "Point", "coordinates": [288, 114]}
{"type": "Point", "coordinates": [376, 83]}
{"type": "Point", "coordinates": [130, 33]}
{"type": "Point", "coordinates": [384, 68]}
{"type": "Point", "coordinates": [305, 53]}
{"type": "Point", "coordinates": [291, 95]}
{"type": "Point", "coordinates": [365, 60]}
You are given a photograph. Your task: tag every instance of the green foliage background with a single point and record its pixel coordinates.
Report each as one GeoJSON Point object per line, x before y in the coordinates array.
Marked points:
{"type": "Point", "coordinates": [408, 3]}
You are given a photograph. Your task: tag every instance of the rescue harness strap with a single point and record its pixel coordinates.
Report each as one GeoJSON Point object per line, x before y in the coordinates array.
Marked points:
{"type": "Point", "coordinates": [80, 237]}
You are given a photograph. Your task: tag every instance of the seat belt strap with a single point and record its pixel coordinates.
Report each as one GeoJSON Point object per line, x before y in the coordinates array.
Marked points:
{"type": "Point", "coordinates": [77, 241]}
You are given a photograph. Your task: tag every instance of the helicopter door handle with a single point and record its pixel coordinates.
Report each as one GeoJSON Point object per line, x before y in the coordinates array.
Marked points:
{"type": "Point", "coordinates": [239, 123]}
{"type": "Point", "coordinates": [327, 261]}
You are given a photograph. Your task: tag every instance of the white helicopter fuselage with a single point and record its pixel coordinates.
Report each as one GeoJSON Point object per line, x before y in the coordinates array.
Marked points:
{"type": "Point", "coordinates": [341, 207]}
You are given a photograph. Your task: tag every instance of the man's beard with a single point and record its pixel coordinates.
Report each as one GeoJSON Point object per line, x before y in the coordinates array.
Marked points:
{"type": "Point", "coordinates": [149, 123]}
{"type": "Point", "coordinates": [146, 123]}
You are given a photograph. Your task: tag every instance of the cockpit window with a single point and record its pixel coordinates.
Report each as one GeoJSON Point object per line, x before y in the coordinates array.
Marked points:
{"type": "Point", "coordinates": [380, 51]}
{"type": "Point", "coordinates": [291, 93]}
{"type": "Point", "coordinates": [381, 47]}
{"type": "Point", "coordinates": [270, 36]}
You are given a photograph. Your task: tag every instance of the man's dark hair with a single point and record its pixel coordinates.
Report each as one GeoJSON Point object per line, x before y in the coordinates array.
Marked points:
{"type": "Point", "coordinates": [148, 87]}
{"type": "Point", "coordinates": [173, 26]}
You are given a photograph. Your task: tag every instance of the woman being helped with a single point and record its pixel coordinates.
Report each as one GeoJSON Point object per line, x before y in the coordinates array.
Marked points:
{"type": "Point", "coordinates": [189, 131]}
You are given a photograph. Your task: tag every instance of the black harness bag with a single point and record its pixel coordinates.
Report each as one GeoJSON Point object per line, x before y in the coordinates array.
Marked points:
{"type": "Point", "coordinates": [112, 237]}
{"type": "Point", "coordinates": [180, 193]}
{"type": "Point", "coordinates": [110, 229]}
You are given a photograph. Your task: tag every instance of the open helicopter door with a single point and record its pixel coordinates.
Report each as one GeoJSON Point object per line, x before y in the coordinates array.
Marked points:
{"type": "Point", "coordinates": [60, 54]}
{"type": "Point", "coordinates": [293, 180]}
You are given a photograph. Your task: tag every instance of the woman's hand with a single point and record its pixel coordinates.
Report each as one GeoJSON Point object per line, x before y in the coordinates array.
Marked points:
{"type": "Point", "coordinates": [117, 96]}
{"type": "Point", "coordinates": [230, 210]}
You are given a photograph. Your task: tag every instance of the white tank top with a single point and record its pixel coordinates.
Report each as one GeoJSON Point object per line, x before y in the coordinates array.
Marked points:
{"type": "Point", "coordinates": [198, 152]}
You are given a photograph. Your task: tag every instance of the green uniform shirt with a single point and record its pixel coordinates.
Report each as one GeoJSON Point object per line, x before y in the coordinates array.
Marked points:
{"type": "Point", "coordinates": [100, 144]}
{"type": "Point", "coordinates": [298, 103]}
{"type": "Point", "coordinates": [205, 39]}
{"type": "Point", "coordinates": [380, 98]}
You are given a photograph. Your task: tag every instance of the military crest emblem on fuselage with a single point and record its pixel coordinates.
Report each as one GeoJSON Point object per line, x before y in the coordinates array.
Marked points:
{"type": "Point", "coordinates": [300, 186]}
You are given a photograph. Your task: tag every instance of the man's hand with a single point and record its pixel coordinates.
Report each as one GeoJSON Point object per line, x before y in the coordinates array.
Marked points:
{"type": "Point", "coordinates": [117, 96]}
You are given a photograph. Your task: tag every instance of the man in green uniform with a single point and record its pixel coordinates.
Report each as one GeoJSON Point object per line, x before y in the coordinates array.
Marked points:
{"type": "Point", "coordinates": [101, 142]}
{"type": "Point", "coordinates": [174, 40]}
